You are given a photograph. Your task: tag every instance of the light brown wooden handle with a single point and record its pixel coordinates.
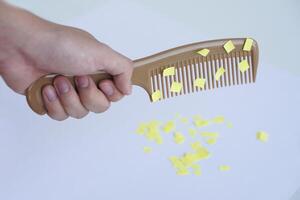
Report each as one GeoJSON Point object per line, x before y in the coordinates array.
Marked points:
{"type": "Point", "coordinates": [34, 92]}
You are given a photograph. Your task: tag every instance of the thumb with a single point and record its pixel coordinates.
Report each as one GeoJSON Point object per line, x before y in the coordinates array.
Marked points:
{"type": "Point", "coordinates": [117, 65]}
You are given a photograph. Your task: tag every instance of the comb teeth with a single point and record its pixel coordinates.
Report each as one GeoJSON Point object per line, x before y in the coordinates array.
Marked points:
{"type": "Point", "coordinates": [186, 71]}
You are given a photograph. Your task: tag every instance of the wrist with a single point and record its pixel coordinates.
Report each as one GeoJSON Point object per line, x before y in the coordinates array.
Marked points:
{"type": "Point", "coordinates": [18, 28]}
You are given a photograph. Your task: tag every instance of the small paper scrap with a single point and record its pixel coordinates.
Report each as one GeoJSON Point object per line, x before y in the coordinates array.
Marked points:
{"type": "Point", "coordinates": [229, 46]}
{"type": "Point", "coordinates": [219, 73]}
{"type": "Point", "coordinates": [176, 87]}
{"type": "Point", "coordinates": [218, 119]}
{"type": "Point", "coordinates": [224, 168]}
{"type": "Point", "coordinates": [156, 95]}
{"type": "Point", "coordinates": [203, 52]}
{"type": "Point", "coordinates": [243, 66]}
{"type": "Point", "coordinates": [262, 136]}
{"type": "Point", "coordinates": [147, 150]}
{"type": "Point", "coordinates": [248, 44]}
{"type": "Point", "coordinates": [192, 132]}
{"type": "Point", "coordinates": [170, 71]}
{"type": "Point", "coordinates": [200, 82]}
{"type": "Point", "coordinates": [200, 122]}
{"type": "Point", "coordinates": [169, 126]}
{"type": "Point", "coordinates": [179, 138]}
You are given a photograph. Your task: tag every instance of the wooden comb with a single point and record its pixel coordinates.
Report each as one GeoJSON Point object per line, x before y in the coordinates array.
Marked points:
{"type": "Point", "coordinates": [188, 64]}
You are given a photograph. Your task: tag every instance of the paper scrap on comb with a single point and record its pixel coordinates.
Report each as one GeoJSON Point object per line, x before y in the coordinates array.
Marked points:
{"type": "Point", "coordinates": [169, 126]}
{"type": "Point", "coordinates": [179, 138]}
{"type": "Point", "coordinates": [262, 136]}
{"type": "Point", "coordinates": [203, 52]}
{"type": "Point", "coordinates": [219, 73]}
{"type": "Point", "coordinates": [156, 95]}
{"type": "Point", "coordinates": [244, 66]}
{"type": "Point", "coordinates": [176, 87]}
{"type": "Point", "coordinates": [224, 168]}
{"type": "Point", "coordinates": [170, 71]}
{"type": "Point", "coordinates": [248, 44]}
{"type": "Point", "coordinates": [200, 82]}
{"type": "Point", "coordinates": [229, 46]}
{"type": "Point", "coordinates": [147, 150]}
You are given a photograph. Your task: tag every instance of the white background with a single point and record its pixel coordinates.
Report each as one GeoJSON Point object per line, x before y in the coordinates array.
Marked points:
{"type": "Point", "coordinates": [100, 157]}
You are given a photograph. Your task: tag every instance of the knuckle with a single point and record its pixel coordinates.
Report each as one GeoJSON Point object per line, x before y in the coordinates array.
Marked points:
{"type": "Point", "coordinates": [79, 115]}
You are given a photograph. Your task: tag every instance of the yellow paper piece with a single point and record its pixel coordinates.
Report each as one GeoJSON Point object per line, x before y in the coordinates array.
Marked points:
{"type": "Point", "coordinates": [244, 66]}
{"type": "Point", "coordinates": [152, 132]}
{"type": "Point", "coordinates": [202, 153]}
{"type": "Point", "coordinates": [169, 126]}
{"type": "Point", "coordinates": [262, 136]}
{"type": "Point", "coordinates": [179, 138]}
{"type": "Point", "coordinates": [229, 46]}
{"type": "Point", "coordinates": [210, 134]}
{"type": "Point", "coordinates": [179, 166]}
{"type": "Point", "coordinates": [224, 168]}
{"type": "Point", "coordinates": [218, 119]}
{"type": "Point", "coordinates": [229, 125]}
{"type": "Point", "coordinates": [200, 122]}
{"type": "Point", "coordinates": [147, 149]}
{"type": "Point", "coordinates": [196, 146]}
{"type": "Point", "coordinates": [142, 128]}
{"type": "Point", "coordinates": [196, 169]}
{"type": "Point", "coordinates": [156, 95]}
{"type": "Point", "coordinates": [203, 52]}
{"type": "Point", "coordinates": [170, 71]}
{"type": "Point", "coordinates": [211, 141]}
{"type": "Point", "coordinates": [176, 87]}
{"type": "Point", "coordinates": [192, 132]}
{"type": "Point", "coordinates": [248, 44]}
{"type": "Point", "coordinates": [200, 82]}
{"type": "Point", "coordinates": [219, 73]}
{"type": "Point", "coordinates": [184, 120]}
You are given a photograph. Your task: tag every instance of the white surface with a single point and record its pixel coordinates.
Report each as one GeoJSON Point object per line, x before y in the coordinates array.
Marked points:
{"type": "Point", "coordinates": [99, 157]}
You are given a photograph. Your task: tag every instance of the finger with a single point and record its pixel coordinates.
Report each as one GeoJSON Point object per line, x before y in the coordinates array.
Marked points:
{"type": "Point", "coordinates": [52, 104]}
{"type": "Point", "coordinates": [69, 98]}
{"type": "Point", "coordinates": [117, 65]}
{"type": "Point", "coordinates": [109, 89]}
{"type": "Point", "coordinates": [91, 97]}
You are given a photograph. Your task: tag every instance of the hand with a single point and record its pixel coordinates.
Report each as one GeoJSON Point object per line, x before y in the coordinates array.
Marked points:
{"type": "Point", "coordinates": [31, 47]}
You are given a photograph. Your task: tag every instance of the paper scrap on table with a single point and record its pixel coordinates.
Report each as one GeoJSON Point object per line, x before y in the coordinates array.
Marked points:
{"type": "Point", "coordinates": [200, 82]}
{"type": "Point", "coordinates": [229, 125]}
{"type": "Point", "coordinates": [224, 168]}
{"type": "Point", "coordinates": [200, 122]}
{"type": "Point", "coordinates": [150, 131]}
{"type": "Point", "coordinates": [219, 73]}
{"type": "Point", "coordinates": [196, 169]}
{"type": "Point", "coordinates": [229, 46]}
{"type": "Point", "coordinates": [169, 126]}
{"type": "Point", "coordinates": [156, 95]}
{"type": "Point", "coordinates": [218, 119]}
{"type": "Point", "coordinates": [179, 138]}
{"type": "Point", "coordinates": [248, 44]}
{"type": "Point", "coordinates": [262, 136]}
{"type": "Point", "coordinates": [176, 87]}
{"type": "Point", "coordinates": [147, 149]}
{"type": "Point", "coordinates": [170, 71]}
{"type": "Point", "coordinates": [142, 128]}
{"type": "Point", "coordinates": [244, 66]}
{"type": "Point", "coordinates": [210, 134]}
{"type": "Point", "coordinates": [192, 132]}
{"type": "Point", "coordinates": [203, 52]}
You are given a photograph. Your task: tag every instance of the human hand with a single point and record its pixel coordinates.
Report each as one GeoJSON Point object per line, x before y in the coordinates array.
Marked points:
{"type": "Point", "coordinates": [32, 47]}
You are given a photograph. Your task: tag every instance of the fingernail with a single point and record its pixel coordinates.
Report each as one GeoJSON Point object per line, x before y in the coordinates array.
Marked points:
{"type": "Point", "coordinates": [82, 82]}
{"type": "Point", "coordinates": [62, 86]}
{"type": "Point", "coordinates": [50, 94]}
{"type": "Point", "coordinates": [107, 89]}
